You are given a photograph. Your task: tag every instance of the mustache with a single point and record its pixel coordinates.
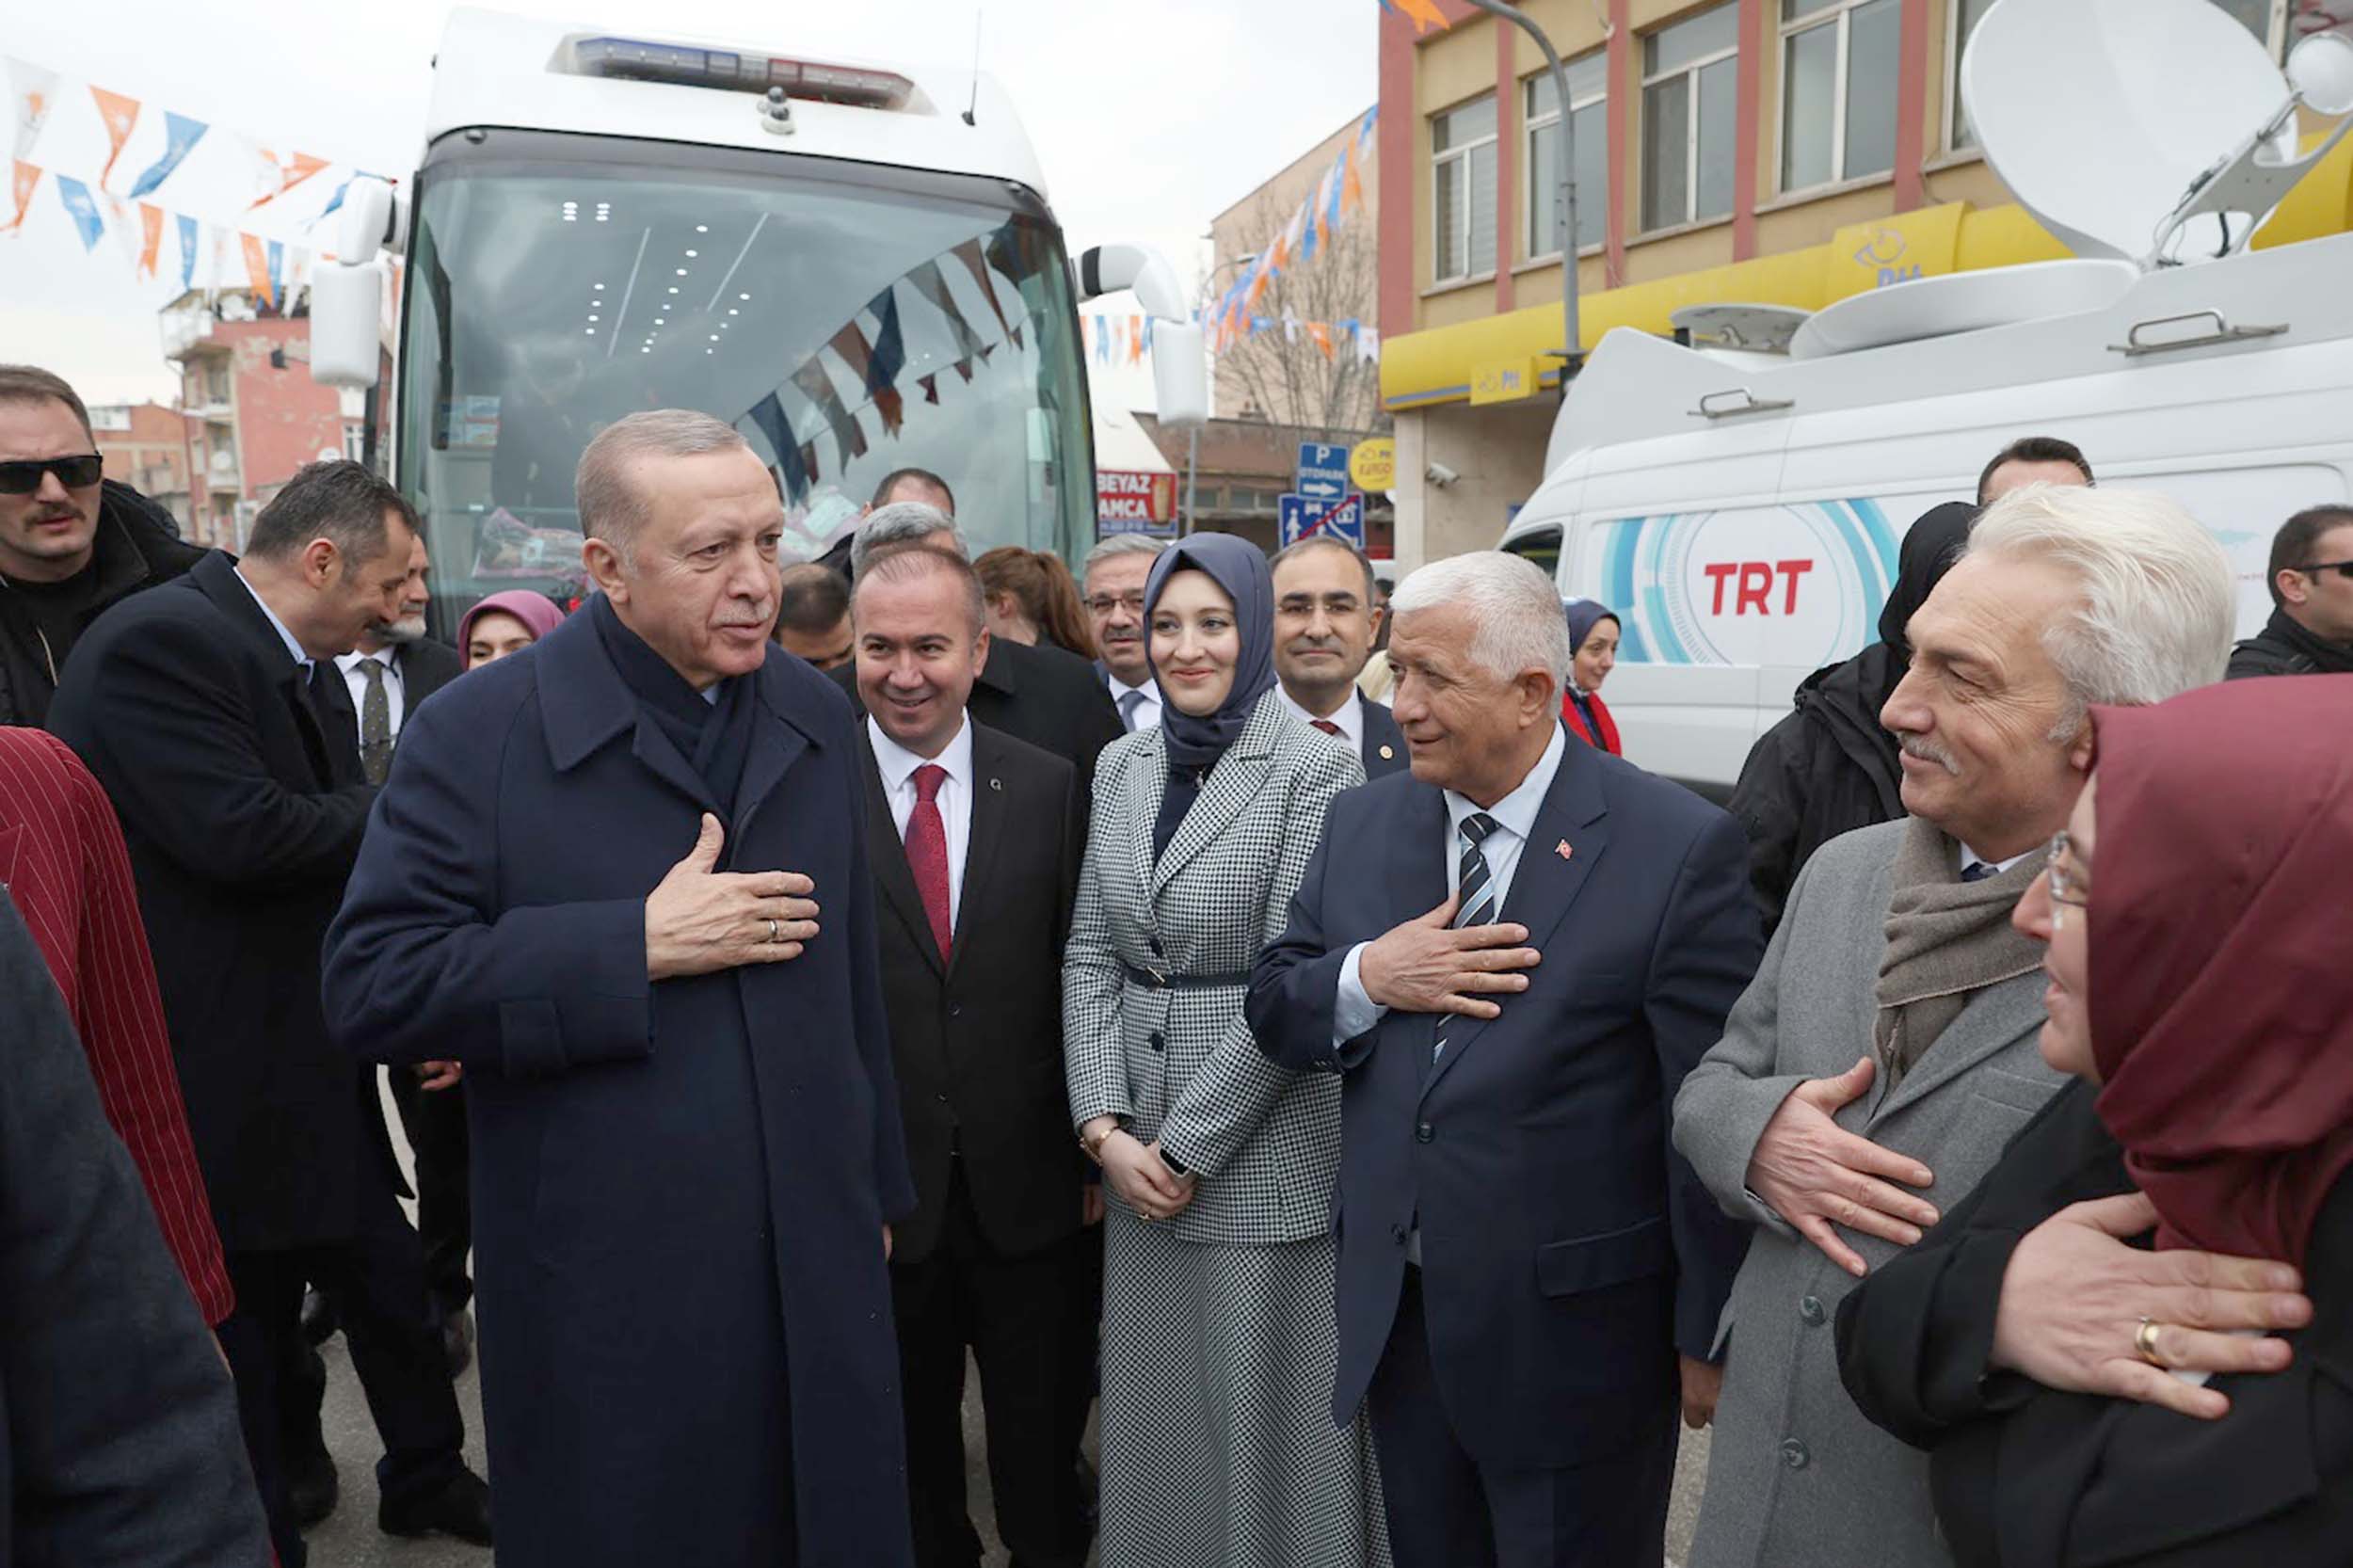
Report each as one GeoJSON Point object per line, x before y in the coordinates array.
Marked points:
{"type": "Point", "coordinates": [1928, 751]}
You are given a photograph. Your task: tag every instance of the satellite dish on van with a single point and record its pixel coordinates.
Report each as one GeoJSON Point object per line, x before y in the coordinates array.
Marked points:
{"type": "Point", "coordinates": [1747, 328]}
{"type": "Point", "coordinates": [1963, 302]}
{"type": "Point", "coordinates": [2114, 123]}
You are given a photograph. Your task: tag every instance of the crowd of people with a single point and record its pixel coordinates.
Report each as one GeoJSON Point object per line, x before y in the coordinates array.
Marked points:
{"type": "Point", "coordinates": [1263, 1003]}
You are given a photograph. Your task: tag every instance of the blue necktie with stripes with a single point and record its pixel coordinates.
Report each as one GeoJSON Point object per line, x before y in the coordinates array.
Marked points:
{"type": "Point", "coordinates": [1478, 898]}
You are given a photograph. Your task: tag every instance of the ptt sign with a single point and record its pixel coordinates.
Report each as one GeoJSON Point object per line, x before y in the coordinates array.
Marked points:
{"type": "Point", "coordinates": [1751, 585]}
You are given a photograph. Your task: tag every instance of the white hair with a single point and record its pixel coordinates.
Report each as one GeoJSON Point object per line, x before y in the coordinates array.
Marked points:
{"type": "Point", "coordinates": [1513, 605]}
{"type": "Point", "coordinates": [902, 522]}
{"type": "Point", "coordinates": [1121, 544]}
{"type": "Point", "coordinates": [2157, 610]}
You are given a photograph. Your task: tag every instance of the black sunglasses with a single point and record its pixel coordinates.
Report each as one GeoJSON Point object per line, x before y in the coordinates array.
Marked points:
{"type": "Point", "coordinates": [2343, 568]}
{"type": "Point", "coordinates": [23, 477]}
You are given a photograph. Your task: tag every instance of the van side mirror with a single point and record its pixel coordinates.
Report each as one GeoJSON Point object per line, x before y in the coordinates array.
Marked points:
{"type": "Point", "coordinates": [347, 306]}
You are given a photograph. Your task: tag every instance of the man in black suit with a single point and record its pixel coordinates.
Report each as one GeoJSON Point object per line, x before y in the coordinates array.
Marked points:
{"type": "Point", "coordinates": [1514, 952]}
{"type": "Point", "coordinates": [117, 1425]}
{"type": "Point", "coordinates": [243, 803]}
{"type": "Point", "coordinates": [1046, 695]}
{"type": "Point", "coordinates": [1327, 619]}
{"type": "Point", "coordinates": [392, 668]}
{"type": "Point", "coordinates": [974, 846]}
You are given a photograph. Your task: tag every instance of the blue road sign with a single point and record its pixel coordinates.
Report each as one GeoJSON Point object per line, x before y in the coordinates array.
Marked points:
{"type": "Point", "coordinates": [1323, 471]}
{"type": "Point", "coordinates": [1342, 518]}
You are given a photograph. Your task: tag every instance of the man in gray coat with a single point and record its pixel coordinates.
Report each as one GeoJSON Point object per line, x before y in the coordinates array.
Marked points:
{"type": "Point", "coordinates": [1887, 1049]}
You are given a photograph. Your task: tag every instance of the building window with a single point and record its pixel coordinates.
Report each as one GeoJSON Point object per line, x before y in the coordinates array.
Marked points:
{"type": "Point", "coordinates": [1838, 65]}
{"type": "Point", "coordinates": [1966, 14]}
{"type": "Point", "coordinates": [1688, 108]}
{"type": "Point", "coordinates": [1463, 192]}
{"type": "Point", "coordinates": [1589, 128]}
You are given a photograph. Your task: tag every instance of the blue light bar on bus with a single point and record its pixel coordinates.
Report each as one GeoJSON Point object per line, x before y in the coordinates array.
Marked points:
{"type": "Point", "coordinates": [683, 65]}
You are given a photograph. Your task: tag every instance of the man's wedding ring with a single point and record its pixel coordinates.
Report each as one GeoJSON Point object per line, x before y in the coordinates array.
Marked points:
{"type": "Point", "coordinates": [772, 930]}
{"type": "Point", "coordinates": [2145, 1342]}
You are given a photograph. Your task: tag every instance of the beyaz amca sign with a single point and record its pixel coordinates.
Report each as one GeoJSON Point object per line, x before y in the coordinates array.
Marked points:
{"type": "Point", "coordinates": [1129, 501]}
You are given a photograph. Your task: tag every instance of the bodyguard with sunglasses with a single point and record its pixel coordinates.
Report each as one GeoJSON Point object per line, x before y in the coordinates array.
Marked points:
{"type": "Point", "coordinates": [2310, 629]}
{"type": "Point", "coordinates": [72, 543]}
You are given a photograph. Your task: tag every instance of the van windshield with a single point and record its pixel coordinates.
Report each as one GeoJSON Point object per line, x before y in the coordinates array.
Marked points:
{"type": "Point", "coordinates": [849, 320]}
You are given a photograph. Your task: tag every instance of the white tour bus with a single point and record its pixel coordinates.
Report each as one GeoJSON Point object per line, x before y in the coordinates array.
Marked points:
{"type": "Point", "coordinates": [854, 263]}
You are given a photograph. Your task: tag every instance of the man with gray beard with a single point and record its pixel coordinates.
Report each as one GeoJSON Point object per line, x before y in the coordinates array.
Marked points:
{"type": "Point", "coordinates": [1887, 1049]}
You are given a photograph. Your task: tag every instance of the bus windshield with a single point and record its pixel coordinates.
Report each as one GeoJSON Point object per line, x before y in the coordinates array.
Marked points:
{"type": "Point", "coordinates": [849, 319]}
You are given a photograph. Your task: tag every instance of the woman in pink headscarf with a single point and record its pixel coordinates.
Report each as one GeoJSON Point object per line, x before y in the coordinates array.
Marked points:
{"type": "Point", "coordinates": [505, 623]}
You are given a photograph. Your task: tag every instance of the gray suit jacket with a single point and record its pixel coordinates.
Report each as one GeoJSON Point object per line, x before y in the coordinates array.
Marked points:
{"type": "Point", "coordinates": [1178, 1061]}
{"type": "Point", "coordinates": [119, 1436]}
{"type": "Point", "coordinates": [1796, 1475]}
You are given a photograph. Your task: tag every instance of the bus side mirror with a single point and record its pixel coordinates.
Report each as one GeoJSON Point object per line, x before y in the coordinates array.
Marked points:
{"type": "Point", "coordinates": [1109, 268]}
{"type": "Point", "coordinates": [346, 304]}
{"type": "Point", "coordinates": [1180, 374]}
{"type": "Point", "coordinates": [368, 222]}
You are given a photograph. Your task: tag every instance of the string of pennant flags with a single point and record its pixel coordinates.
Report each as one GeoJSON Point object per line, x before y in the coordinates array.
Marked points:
{"type": "Point", "coordinates": [274, 269]}
{"type": "Point", "coordinates": [870, 348]}
{"type": "Point", "coordinates": [1236, 318]}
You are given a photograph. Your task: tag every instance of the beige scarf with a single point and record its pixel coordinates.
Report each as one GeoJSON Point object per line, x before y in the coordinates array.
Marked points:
{"type": "Point", "coordinates": [1947, 939]}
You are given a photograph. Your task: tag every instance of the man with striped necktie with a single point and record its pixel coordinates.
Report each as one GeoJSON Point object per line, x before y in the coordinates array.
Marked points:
{"type": "Point", "coordinates": [1514, 952]}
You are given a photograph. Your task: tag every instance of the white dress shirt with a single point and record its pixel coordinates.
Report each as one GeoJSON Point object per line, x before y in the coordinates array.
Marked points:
{"type": "Point", "coordinates": [897, 765]}
{"type": "Point", "coordinates": [293, 649]}
{"type": "Point", "coordinates": [1353, 1012]}
{"type": "Point", "coordinates": [1147, 710]}
{"type": "Point", "coordinates": [395, 693]}
{"type": "Point", "coordinates": [1350, 716]}
{"type": "Point", "coordinates": [1969, 857]}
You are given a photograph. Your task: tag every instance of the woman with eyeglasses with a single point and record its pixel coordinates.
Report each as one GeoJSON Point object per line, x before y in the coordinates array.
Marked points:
{"type": "Point", "coordinates": [2202, 992]}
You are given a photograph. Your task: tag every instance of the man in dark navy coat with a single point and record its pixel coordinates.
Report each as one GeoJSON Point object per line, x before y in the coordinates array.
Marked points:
{"type": "Point", "coordinates": [1514, 952]}
{"type": "Point", "coordinates": [1327, 619]}
{"type": "Point", "coordinates": [622, 877]}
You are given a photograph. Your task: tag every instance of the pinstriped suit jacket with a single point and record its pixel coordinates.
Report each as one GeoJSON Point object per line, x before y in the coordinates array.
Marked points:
{"type": "Point", "coordinates": [62, 861]}
{"type": "Point", "coordinates": [1179, 1062]}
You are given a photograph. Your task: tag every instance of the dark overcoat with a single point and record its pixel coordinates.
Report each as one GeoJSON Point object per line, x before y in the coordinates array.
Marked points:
{"type": "Point", "coordinates": [678, 1188]}
{"type": "Point", "coordinates": [243, 806]}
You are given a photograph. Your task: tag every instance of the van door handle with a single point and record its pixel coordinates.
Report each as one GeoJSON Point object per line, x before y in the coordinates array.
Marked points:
{"type": "Point", "coordinates": [1713, 406]}
{"type": "Point", "coordinates": [2134, 346]}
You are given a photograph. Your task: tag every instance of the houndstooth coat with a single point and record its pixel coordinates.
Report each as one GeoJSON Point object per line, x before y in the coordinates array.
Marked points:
{"type": "Point", "coordinates": [1177, 1061]}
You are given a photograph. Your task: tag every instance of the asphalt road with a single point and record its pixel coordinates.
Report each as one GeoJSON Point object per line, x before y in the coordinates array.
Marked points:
{"type": "Point", "coordinates": [350, 1539]}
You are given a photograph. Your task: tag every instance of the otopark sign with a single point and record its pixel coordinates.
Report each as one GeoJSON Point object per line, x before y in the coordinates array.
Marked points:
{"type": "Point", "coordinates": [1127, 501]}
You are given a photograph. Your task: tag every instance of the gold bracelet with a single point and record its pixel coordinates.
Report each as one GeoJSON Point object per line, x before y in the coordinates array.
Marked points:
{"type": "Point", "coordinates": [1094, 1147]}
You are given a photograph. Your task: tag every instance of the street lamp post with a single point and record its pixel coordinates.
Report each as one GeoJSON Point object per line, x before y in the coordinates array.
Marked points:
{"type": "Point", "coordinates": [1564, 204]}
{"type": "Point", "coordinates": [1193, 437]}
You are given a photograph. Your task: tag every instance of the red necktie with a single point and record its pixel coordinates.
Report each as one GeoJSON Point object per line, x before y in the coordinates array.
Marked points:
{"type": "Point", "coordinates": [927, 852]}
{"type": "Point", "coordinates": [1326, 725]}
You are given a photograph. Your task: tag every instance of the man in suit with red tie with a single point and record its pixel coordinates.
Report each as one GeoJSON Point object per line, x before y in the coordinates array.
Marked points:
{"type": "Point", "coordinates": [1327, 614]}
{"type": "Point", "coordinates": [1513, 953]}
{"type": "Point", "coordinates": [976, 853]}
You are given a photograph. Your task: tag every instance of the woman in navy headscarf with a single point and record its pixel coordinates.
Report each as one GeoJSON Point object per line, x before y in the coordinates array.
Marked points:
{"type": "Point", "coordinates": [1593, 639]}
{"type": "Point", "coordinates": [1218, 1340]}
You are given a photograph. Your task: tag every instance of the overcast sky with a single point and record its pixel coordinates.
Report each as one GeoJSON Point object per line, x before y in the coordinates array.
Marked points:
{"type": "Point", "coordinates": [1149, 115]}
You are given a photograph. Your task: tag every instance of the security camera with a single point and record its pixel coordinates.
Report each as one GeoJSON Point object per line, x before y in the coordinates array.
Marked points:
{"type": "Point", "coordinates": [1440, 475]}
